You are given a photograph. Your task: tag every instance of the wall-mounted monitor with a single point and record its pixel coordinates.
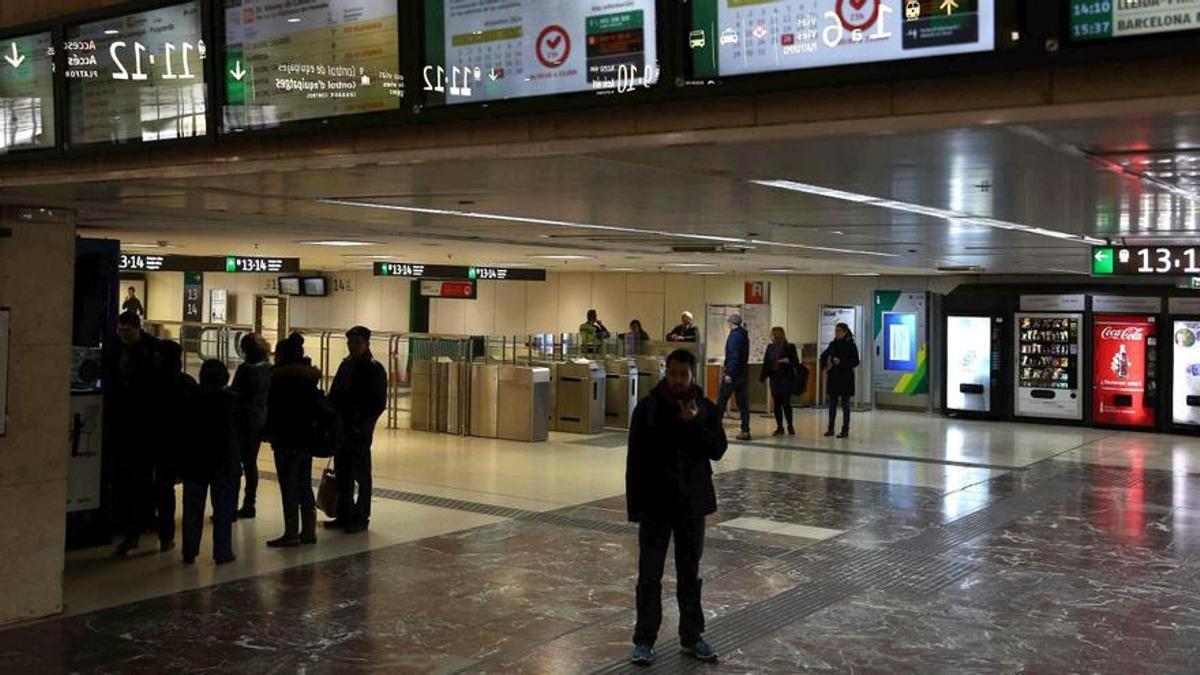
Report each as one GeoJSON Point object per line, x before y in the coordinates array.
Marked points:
{"type": "Point", "coordinates": [315, 287]}
{"type": "Point", "coordinates": [742, 37]}
{"type": "Point", "coordinates": [1105, 19]}
{"type": "Point", "coordinates": [309, 60]}
{"type": "Point", "coordinates": [26, 92]}
{"type": "Point", "coordinates": [137, 77]}
{"type": "Point", "coordinates": [485, 51]}
{"type": "Point", "coordinates": [290, 286]}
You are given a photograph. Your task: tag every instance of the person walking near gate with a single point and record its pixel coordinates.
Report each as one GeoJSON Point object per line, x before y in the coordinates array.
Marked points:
{"type": "Point", "coordinates": [737, 374]}
{"type": "Point", "coordinates": [781, 365]}
{"type": "Point", "coordinates": [359, 394]}
{"type": "Point", "coordinates": [838, 361]}
{"type": "Point", "coordinates": [674, 436]}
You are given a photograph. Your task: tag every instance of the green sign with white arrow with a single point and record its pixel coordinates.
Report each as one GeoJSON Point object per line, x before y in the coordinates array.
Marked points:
{"type": "Point", "coordinates": [1103, 261]}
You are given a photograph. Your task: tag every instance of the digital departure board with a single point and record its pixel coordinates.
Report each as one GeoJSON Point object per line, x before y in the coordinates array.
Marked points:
{"type": "Point", "coordinates": [1158, 261]}
{"type": "Point", "coordinates": [484, 50]}
{"type": "Point", "coordinates": [26, 92]}
{"type": "Point", "coordinates": [1103, 19]}
{"type": "Point", "coordinates": [457, 272]}
{"type": "Point", "coordinates": [138, 262]}
{"type": "Point", "coordinates": [309, 59]}
{"type": "Point", "coordinates": [739, 37]}
{"type": "Point", "coordinates": [137, 77]}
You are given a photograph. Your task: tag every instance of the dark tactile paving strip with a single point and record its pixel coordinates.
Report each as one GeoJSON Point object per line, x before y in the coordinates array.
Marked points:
{"type": "Point", "coordinates": [878, 455]}
{"type": "Point", "coordinates": [609, 440]}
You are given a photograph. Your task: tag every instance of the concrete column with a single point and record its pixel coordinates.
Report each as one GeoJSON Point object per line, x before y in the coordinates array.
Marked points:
{"type": "Point", "coordinates": [37, 253]}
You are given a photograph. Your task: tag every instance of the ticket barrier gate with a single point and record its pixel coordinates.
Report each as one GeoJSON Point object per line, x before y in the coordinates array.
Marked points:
{"type": "Point", "coordinates": [458, 383]}
{"type": "Point", "coordinates": [552, 404]}
{"type": "Point", "coordinates": [526, 395]}
{"type": "Point", "coordinates": [581, 397]}
{"type": "Point", "coordinates": [650, 371]}
{"type": "Point", "coordinates": [485, 400]}
{"type": "Point", "coordinates": [429, 394]}
{"type": "Point", "coordinates": [621, 391]}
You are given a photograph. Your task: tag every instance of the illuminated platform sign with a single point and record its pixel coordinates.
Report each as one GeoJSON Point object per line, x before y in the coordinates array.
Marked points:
{"type": "Point", "coordinates": [1141, 261]}
{"type": "Point", "coordinates": [137, 262]}
{"type": "Point", "coordinates": [137, 77]}
{"type": "Point", "coordinates": [457, 272]}
{"type": "Point", "coordinates": [26, 92]}
{"type": "Point", "coordinates": [740, 37]}
{"type": "Point", "coordinates": [309, 59]}
{"type": "Point", "coordinates": [1103, 19]}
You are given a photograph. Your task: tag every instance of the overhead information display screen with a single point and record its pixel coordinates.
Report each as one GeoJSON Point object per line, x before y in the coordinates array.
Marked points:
{"type": "Point", "coordinates": [26, 92]}
{"type": "Point", "coordinates": [1152, 261]}
{"type": "Point", "coordinates": [137, 77]}
{"type": "Point", "coordinates": [739, 37]}
{"type": "Point", "coordinates": [457, 272]}
{"type": "Point", "coordinates": [1103, 19]}
{"type": "Point", "coordinates": [138, 262]}
{"type": "Point", "coordinates": [309, 59]}
{"type": "Point", "coordinates": [485, 50]}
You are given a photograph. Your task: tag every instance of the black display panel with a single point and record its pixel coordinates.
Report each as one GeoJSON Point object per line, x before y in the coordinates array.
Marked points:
{"type": "Point", "coordinates": [309, 59]}
{"type": "Point", "coordinates": [457, 272]}
{"type": "Point", "coordinates": [27, 92]}
{"type": "Point", "coordinates": [137, 77]}
{"type": "Point", "coordinates": [1106, 19]}
{"type": "Point", "coordinates": [138, 262]}
{"type": "Point", "coordinates": [1146, 261]}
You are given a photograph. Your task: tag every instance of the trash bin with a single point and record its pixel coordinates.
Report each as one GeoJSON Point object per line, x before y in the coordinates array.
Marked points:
{"type": "Point", "coordinates": [651, 371]}
{"type": "Point", "coordinates": [485, 384]}
{"type": "Point", "coordinates": [581, 395]}
{"type": "Point", "coordinates": [526, 395]}
{"type": "Point", "coordinates": [621, 393]}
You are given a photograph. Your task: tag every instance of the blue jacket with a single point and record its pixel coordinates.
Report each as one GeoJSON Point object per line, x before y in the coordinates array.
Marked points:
{"type": "Point", "coordinates": [737, 352]}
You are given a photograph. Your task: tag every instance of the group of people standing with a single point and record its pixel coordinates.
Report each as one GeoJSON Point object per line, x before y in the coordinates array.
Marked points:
{"type": "Point", "coordinates": [165, 428]}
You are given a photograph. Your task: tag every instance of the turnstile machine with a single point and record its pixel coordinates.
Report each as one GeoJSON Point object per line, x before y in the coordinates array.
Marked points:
{"type": "Point", "coordinates": [429, 394]}
{"type": "Point", "coordinates": [458, 383]}
{"type": "Point", "coordinates": [581, 395]}
{"type": "Point", "coordinates": [621, 391]}
{"type": "Point", "coordinates": [485, 401]}
{"type": "Point", "coordinates": [526, 395]}
{"type": "Point", "coordinates": [552, 405]}
{"type": "Point", "coordinates": [650, 371]}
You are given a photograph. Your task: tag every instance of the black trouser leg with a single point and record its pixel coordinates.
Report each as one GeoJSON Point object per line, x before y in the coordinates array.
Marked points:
{"type": "Point", "coordinates": [777, 408]}
{"type": "Point", "coordinates": [723, 397]}
{"type": "Point", "coordinates": [224, 491]}
{"type": "Point", "coordinates": [344, 466]}
{"type": "Point", "coordinates": [285, 466]}
{"type": "Point", "coordinates": [741, 393]}
{"type": "Point", "coordinates": [832, 411]}
{"type": "Point", "coordinates": [653, 539]}
{"type": "Point", "coordinates": [250, 444]}
{"type": "Point", "coordinates": [164, 503]}
{"type": "Point", "coordinates": [787, 411]}
{"type": "Point", "coordinates": [194, 492]}
{"type": "Point", "coordinates": [362, 476]}
{"type": "Point", "coordinates": [689, 547]}
{"type": "Point", "coordinates": [135, 498]}
{"type": "Point", "coordinates": [304, 481]}
{"type": "Point", "coordinates": [845, 413]}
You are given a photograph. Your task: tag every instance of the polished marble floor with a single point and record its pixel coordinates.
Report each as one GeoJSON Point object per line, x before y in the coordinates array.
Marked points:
{"type": "Point", "coordinates": [920, 544]}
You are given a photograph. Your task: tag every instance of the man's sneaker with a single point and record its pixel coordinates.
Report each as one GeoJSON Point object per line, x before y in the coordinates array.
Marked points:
{"type": "Point", "coordinates": [701, 651]}
{"type": "Point", "coordinates": [643, 655]}
{"type": "Point", "coordinates": [744, 436]}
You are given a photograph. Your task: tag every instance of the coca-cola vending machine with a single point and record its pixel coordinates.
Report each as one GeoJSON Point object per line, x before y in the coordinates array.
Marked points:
{"type": "Point", "coordinates": [1124, 372]}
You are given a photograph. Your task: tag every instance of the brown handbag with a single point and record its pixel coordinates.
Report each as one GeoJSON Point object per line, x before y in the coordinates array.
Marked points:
{"type": "Point", "coordinates": [327, 491]}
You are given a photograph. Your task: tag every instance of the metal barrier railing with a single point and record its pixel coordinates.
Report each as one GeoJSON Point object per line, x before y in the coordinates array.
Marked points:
{"type": "Point", "coordinates": [202, 341]}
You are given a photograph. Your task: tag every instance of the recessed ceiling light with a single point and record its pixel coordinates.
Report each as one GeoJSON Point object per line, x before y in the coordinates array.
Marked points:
{"type": "Point", "coordinates": [624, 269]}
{"type": "Point", "coordinates": [293, 19]}
{"type": "Point", "coordinates": [687, 265]}
{"type": "Point", "coordinates": [708, 274]}
{"type": "Point", "coordinates": [782, 270]}
{"type": "Point", "coordinates": [141, 245]}
{"type": "Point", "coordinates": [861, 274]}
{"type": "Point", "coordinates": [599, 227]}
{"type": "Point", "coordinates": [564, 256]}
{"type": "Point", "coordinates": [346, 243]}
{"type": "Point", "coordinates": [112, 31]}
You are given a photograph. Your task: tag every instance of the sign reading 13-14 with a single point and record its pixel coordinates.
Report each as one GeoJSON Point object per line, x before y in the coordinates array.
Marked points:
{"type": "Point", "coordinates": [1101, 19]}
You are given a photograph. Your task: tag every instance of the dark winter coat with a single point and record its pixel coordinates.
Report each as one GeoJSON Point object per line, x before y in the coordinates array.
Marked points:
{"type": "Point", "coordinates": [359, 394]}
{"type": "Point", "coordinates": [668, 472]}
{"type": "Point", "coordinates": [292, 407]}
{"type": "Point", "coordinates": [682, 333]}
{"type": "Point", "coordinates": [250, 385]}
{"type": "Point", "coordinates": [840, 378]}
{"type": "Point", "coordinates": [782, 375]}
{"type": "Point", "coordinates": [211, 452]}
{"type": "Point", "coordinates": [174, 423]}
{"type": "Point", "coordinates": [737, 353]}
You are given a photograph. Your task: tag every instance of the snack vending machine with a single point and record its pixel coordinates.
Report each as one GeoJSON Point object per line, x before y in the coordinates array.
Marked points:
{"type": "Point", "coordinates": [1049, 349]}
{"type": "Point", "coordinates": [1124, 375]}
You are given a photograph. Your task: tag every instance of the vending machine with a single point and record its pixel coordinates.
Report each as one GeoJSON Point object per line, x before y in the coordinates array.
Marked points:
{"type": "Point", "coordinates": [973, 362]}
{"type": "Point", "coordinates": [1124, 377]}
{"type": "Point", "coordinates": [1184, 363]}
{"type": "Point", "coordinates": [1048, 377]}
{"type": "Point", "coordinates": [905, 359]}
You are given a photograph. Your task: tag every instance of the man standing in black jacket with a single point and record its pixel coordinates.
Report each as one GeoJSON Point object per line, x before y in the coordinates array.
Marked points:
{"type": "Point", "coordinates": [674, 435]}
{"type": "Point", "coordinates": [359, 394]}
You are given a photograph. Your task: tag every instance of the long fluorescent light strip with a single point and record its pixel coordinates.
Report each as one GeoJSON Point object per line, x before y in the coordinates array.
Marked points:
{"type": "Point", "coordinates": [907, 207]}
{"type": "Point", "coordinates": [596, 226]}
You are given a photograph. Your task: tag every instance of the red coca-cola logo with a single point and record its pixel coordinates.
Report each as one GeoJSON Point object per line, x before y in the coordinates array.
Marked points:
{"type": "Point", "coordinates": [1126, 333]}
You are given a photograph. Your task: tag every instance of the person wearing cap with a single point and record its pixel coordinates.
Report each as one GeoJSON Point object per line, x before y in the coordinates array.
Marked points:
{"type": "Point", "coordinates": [686, 331]}
{"type": "Point", "coordinates": [737, 374]}
{"type": "Point", "coordinates": [359, 394]}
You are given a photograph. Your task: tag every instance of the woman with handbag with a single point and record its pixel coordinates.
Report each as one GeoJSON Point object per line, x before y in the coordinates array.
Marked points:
{"type": "Point", "coordinates": [780, 363]}
{"type": "Point", "coordinates": [293, 415]}
{"type": "Point", "coordinates": [838, 361]}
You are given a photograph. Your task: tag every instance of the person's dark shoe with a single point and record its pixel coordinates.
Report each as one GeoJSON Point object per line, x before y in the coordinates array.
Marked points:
{"type": "Point", "coordinates": [829, 433]}
{"type": "Point", "coordinates": [844, 434]}
{"type": "Point", "coordinates": [291, 533]}
{"type": "Point", "coordinates": [128, 544]}
{"type": "Point", "coordinates": [246, 512]}
{"type": "Point", "coordinates": [335, 524]}
{"type": "Point", "coordinates": [643, 655]}
{"type": "Point", "coordinates": [308, 527]}
{"type": "Point", "coordinates": [356, 527]}
{"type": "Point", "coordinates": [701, 651]}
{"type": "Point", "coordinates": [226, 560]}
{"type": "Point", "coordinates": [744, 436]}
{"type": "Point", "coordinates": [164, 546]}
{"type": "Point", "coordinates": [189, 560]}
{"type": "Point", "coordinates": [778, 431]}
{"type": "Point", "coordinates": [791, 431]}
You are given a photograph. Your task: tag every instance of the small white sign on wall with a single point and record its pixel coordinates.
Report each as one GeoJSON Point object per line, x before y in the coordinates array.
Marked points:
{"type": "Point", "coordinates": [5, 316]}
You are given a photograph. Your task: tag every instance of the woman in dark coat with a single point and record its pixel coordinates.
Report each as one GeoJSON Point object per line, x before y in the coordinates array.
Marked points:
{"type": "Point", "coordinates": [250, 386]}
{"type": "Point", "coordinates": [292, 411]}
{"type": "Point", "coordinates": [779, 366]}
{"type": "Point", "coordinates": [838, 361]}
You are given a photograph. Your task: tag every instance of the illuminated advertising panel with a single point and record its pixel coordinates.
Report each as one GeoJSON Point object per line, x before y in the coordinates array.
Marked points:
{"type": "Point", "coordinates": [1185, 380]}
{"type": "Point", "coordinates": [968, 363]}
{"type": "Point", "coordinates": [1123, 377]}
{"type": "Point", "coordinates": [26, 93]}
